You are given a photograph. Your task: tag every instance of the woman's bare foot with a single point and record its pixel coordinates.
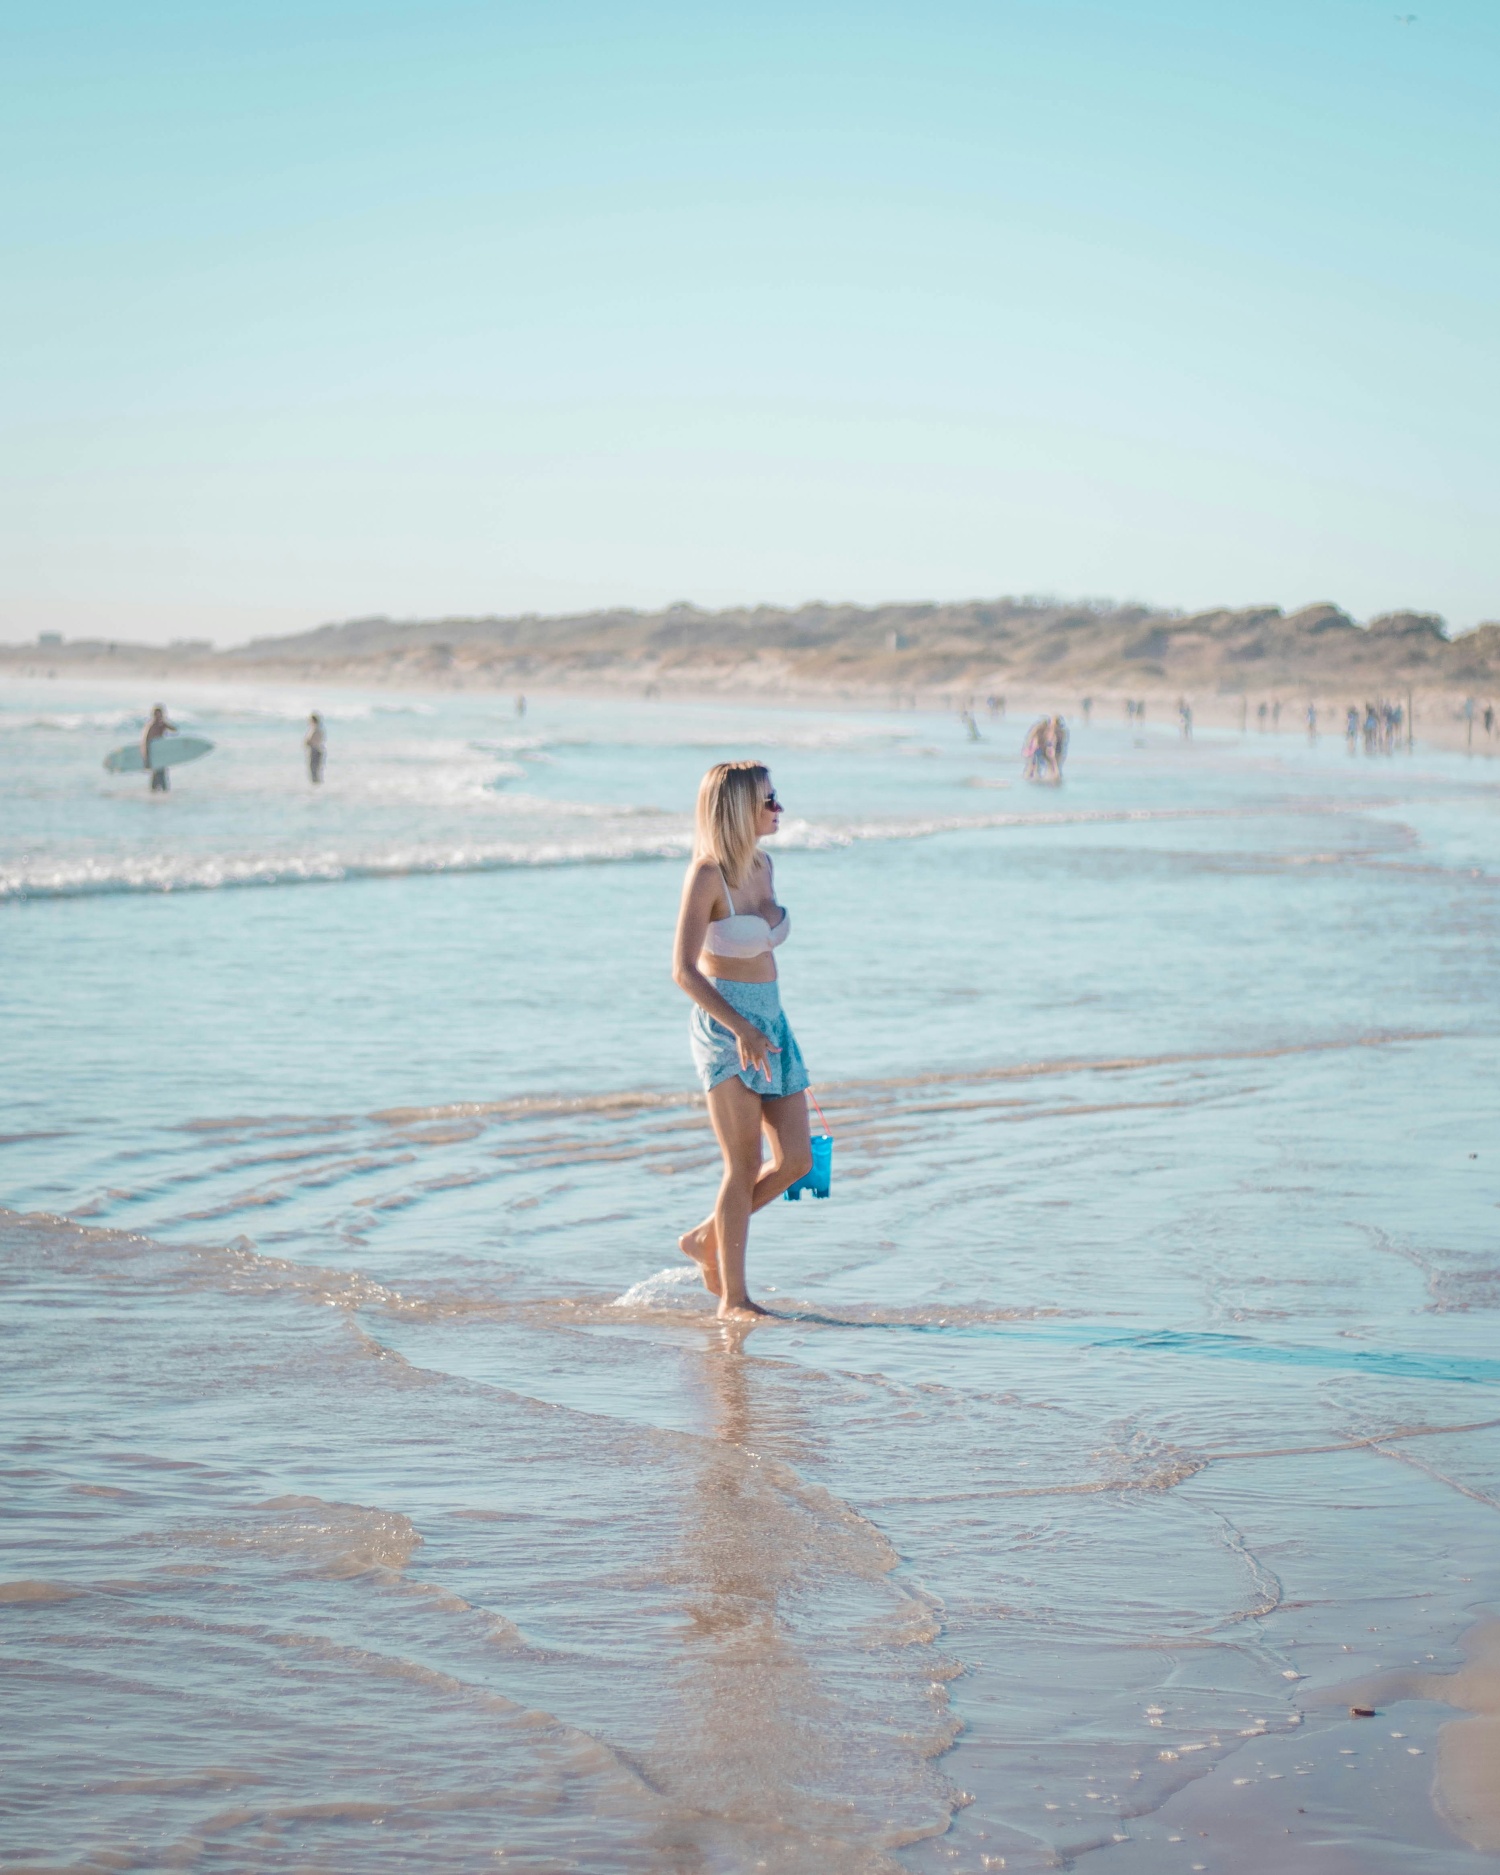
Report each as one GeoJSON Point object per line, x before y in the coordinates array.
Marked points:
{"type": "Point", "coordinates": [743, 1311]}
{"type": "Point", "coordinates": [700, 1246]}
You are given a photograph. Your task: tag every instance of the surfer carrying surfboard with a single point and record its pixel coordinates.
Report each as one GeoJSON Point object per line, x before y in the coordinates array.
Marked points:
{"type": "Point", "coordinates": [158, 726]}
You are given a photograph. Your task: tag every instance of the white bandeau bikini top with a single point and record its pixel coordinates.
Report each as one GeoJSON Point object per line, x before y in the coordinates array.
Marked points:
{"type": "Point", "coordinates": [745, 933]}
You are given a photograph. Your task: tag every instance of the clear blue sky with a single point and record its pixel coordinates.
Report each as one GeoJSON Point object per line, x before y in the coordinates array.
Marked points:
{"type": "Point", "coordinates": [319, 309]}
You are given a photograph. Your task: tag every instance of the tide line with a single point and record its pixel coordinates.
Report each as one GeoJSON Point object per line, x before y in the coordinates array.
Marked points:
{"type": "Point", "coordinates": [526, 1106]}
{"type": "Point", "coordinates": [1188, 1465]}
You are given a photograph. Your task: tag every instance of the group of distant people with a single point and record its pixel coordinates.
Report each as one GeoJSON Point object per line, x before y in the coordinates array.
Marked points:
{"type": "Point", "coordinates": [1045, 750]}
{"type": "Point", "coordinates": [1379, 727]}
{"type": "Point", "coordinates": [315, 743]}
{"type": "Point", "coordinates": [1046, 746]}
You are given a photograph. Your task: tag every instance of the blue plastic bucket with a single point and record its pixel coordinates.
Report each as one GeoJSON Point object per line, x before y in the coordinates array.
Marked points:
{"type": "Point", "coordinates": [818, 1181]}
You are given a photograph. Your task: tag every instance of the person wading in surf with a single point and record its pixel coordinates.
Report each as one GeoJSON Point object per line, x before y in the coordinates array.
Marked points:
{"type": "Point", "coordinates": [157, 727]}
{"type": "Point", "coordinates": [316, 744]}
{"type": "Point", "coordinates": [747, 1058]}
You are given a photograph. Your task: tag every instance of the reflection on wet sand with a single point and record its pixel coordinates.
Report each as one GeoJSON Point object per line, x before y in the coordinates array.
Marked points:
{"type": "Point", "coordinates": [783, 1754]}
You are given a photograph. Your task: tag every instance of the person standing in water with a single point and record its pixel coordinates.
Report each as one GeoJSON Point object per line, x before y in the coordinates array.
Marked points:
{"type": "Point", "coordinates": [747, 1058]}
{"type": "Point", "coordinates": [161, 781]}
{"type": "Point", "coordinates": [316, 744]}
{"type": "Point", "coordinates": [1034, 749]}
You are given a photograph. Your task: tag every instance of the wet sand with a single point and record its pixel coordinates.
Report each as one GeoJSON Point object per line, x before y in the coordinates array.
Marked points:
{"type": "Point", "coordinates": [384, 1495]}
{"type": "Point", "coordinates": [1466, 1783]}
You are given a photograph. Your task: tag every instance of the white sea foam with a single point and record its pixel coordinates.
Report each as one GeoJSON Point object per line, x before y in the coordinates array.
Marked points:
{"type": "Point", "coordinates": [13, 723]}
{"type": "Point", "coordinates": [42, 877]}
{"type": "Point", "coordinates": [680, 1288]}
{"type": "Point", "coordinates": [556, 836]}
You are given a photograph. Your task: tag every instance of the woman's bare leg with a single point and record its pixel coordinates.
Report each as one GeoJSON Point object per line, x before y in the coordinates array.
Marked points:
{"type": "Point", "coordinates": [735, 1112]}
{"type": "Point", "coordinates": [786, 1125]}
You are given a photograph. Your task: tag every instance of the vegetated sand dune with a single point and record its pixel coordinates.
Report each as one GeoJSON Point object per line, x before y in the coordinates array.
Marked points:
{"type": "Point", "coordinates": [968, 648]}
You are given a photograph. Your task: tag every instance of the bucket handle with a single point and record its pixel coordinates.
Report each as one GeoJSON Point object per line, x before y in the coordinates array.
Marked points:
{"type": "Point", "coordinates": [823, 1122]}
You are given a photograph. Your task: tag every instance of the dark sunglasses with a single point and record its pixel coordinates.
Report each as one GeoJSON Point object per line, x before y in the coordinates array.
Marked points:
{"type": "Point", "coordinates": [772, 803]}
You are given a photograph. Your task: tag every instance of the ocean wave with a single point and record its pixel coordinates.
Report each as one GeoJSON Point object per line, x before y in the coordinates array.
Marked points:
{"type": "Point", "coordinates": [329, 1539]}
{"type": "Point", "coordinates": [224, 709]}
{"type": "Point", "coordinates": [751, 738]}
{"type": "Point", "coordinates": [73, 720]}
{"type": "Point", "coordinates": [37, 876]}
{"type": "Point", "coordinates": [176, 872]}
{"type": "Point", "coordinates": [204, 711]}
{"type": "Point", "coordinates": [41, 876]}
{"type": "Point", "coordinates": [518, 748]}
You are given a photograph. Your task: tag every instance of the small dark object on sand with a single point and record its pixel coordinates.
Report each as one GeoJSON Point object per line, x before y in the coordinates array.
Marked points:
{"type": "Point", "coordinates": [1361, 1712]}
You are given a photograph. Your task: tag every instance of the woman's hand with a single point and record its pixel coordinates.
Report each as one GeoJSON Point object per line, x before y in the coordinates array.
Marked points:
{"type": "Point", "coordinates": [754, 1048]}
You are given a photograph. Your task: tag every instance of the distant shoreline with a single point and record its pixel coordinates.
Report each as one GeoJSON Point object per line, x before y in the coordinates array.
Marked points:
{"type": "Point", "coordinates": [1034, 654]}
{"type": "Point", "coordinates": [937, 655]}
{"type": "Point", "coordinates": [1436, 711]}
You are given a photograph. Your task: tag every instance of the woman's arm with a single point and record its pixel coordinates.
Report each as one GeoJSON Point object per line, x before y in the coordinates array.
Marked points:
{"type": "Point", "coordinates": [699, 891]}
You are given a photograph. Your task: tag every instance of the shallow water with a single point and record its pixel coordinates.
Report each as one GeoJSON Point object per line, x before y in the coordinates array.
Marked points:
{"type": "Point", "coordinates": [381, 1493]}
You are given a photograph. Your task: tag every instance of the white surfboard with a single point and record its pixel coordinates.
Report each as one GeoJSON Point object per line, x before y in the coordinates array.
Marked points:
{"type": "Point", "coordinates": [166, 752]}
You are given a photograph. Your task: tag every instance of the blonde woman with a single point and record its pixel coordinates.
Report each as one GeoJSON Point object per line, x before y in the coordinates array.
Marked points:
{"type": "Point", "coordinates": [747, 1058]}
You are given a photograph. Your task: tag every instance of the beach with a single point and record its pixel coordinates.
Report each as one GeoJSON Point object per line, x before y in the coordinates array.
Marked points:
{"type": "Point", "coordinates": [382, 1492]}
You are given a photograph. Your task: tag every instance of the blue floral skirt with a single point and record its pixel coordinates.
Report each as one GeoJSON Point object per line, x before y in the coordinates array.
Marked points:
{"type": "Point", "coordinates": [716, 1053]}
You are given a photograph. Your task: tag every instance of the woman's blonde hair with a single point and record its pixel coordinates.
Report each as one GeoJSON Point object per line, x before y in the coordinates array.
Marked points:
{"type": "Point", "coordinates": [729, 803]}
